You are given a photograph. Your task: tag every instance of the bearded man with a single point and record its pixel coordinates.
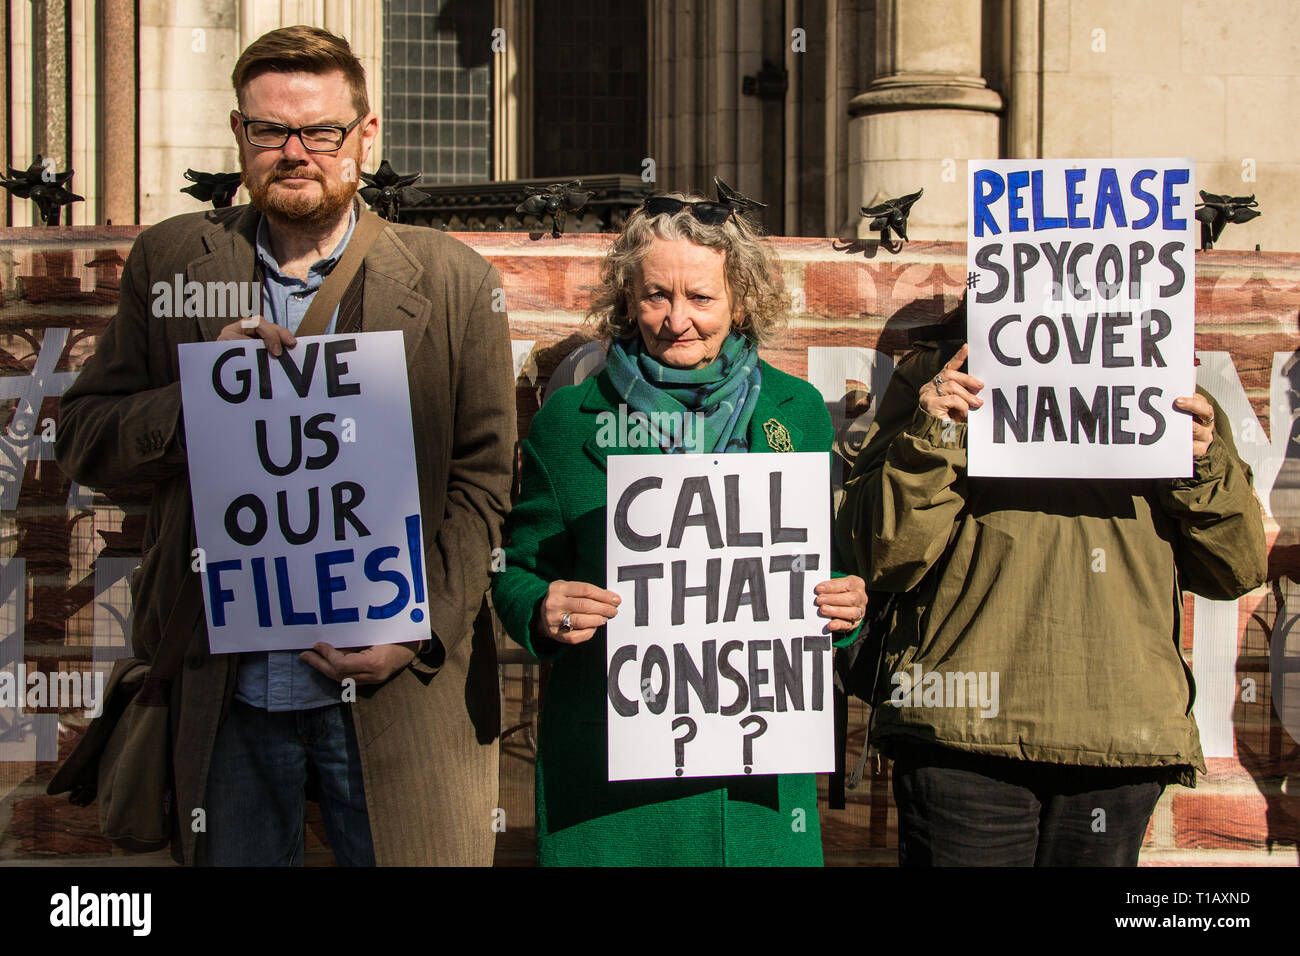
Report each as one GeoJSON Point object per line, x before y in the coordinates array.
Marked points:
{"type": "Point", "coordinates": [407, 773]}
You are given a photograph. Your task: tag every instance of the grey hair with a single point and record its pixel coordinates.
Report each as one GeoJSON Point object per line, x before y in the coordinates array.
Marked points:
{"type": "Point", "coordinates": [752, 270]}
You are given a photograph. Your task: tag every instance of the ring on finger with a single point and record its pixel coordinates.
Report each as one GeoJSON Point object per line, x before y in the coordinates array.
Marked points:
{"type": "Point", "coordinates": [938, 383]}
{"type": "Point", "coordinates": [566, 625]}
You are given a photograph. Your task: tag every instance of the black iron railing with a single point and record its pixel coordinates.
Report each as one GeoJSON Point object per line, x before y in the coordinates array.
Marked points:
{"type": "Point", "coordinates": [490, 207]}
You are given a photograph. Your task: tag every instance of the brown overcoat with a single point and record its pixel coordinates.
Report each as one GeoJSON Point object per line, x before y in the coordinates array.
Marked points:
{"type": "Point", "coordinates": [428, 736]}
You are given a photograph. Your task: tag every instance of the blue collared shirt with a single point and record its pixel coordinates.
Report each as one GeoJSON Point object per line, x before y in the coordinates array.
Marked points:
{"type": "Point", "coordinates": [279, 680]}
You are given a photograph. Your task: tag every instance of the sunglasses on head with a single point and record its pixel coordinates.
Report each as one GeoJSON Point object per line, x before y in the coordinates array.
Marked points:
{"type": "Point", "coordinates": [709, 213]}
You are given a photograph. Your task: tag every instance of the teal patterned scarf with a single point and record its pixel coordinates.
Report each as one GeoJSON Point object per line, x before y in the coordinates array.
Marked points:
{"type": "Point", "coordinates": [690, 410]}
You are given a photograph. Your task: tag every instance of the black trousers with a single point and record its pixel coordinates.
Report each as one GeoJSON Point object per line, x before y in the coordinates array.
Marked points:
{"type": "Point", "coordinates": [962, 809]}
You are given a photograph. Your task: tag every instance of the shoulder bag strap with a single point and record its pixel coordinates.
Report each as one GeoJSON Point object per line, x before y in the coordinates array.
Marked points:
{"type": "Point", "coordinates": [330, 293]}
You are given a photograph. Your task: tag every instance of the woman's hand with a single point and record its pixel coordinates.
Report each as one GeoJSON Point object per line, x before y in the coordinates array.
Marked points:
{"type": "Point", "coordinates": [843, 600]}
{"type": "Point", "coordinates": [1202, 412]}
{"type": "Point", "coordinates": [951, 394]}
{"type": "Point", "coordinates": [572, 610]}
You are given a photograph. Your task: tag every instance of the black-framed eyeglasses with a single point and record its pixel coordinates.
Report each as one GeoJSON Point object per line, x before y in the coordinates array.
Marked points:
{"type": "Point", "coordinates": [709, 213]}
{"type": "Point", "coordinates": [317, 139]}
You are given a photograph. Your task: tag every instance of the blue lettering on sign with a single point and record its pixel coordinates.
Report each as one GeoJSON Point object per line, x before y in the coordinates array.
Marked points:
{"type": "Point", "coordinates": [261, 593]}
{"type": "Point", "coordinates": [1015, 182]}
{"type": "Point", "coordinates": [219, 597]}
{"type": "Point", "coordinates": [1042, 221]}
{"type": "Point", "coordinates": [331, 580]}
{"type": "Point", "coordinates": [1073, 197]}
{"type": "Point", "coordinates": [1109, 208]}
{"type": "Point", "coordinates": [1153, 207]}
{"type": "Point", "coordinates": [985, 197]}
{"type": "Point", "coordinates": [327, 585]}
{"type": "Point", "coordinates": [1174, 177]}
{"type": "Point", "coordinates": [376, 573]}
{"type": "Point", "coordinates": [288, 616]}
{"type": "Point", "coordinates": [416, 545]}
{"type": "Point", "coordinates": [1108, 197]}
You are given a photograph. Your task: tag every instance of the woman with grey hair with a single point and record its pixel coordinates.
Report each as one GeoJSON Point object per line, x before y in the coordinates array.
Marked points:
{"type": "Point", "coordinates": [689, 291]}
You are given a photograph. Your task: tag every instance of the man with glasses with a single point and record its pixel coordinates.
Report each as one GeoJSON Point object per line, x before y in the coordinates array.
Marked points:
{"type": "Point", "coordinates": [406, 774]}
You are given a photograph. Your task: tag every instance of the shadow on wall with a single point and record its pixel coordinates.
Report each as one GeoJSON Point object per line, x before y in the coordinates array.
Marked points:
{"type": "Point", "coordinates": [471, 22]}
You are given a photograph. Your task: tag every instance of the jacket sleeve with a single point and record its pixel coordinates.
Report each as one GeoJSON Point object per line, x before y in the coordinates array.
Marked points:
{"type": "Point", "coordinates": [538, 552]}
{"type": "Point", "coordinates": [907, 487]}
{"type": "Point", "coordinates": [1221, 550]}
{"type": "Point", "coordinates": [116, 426]}
{"type": "Point", "coordinates": [819, 436]}
{"type": "Point", "coordinates": [459, 562]}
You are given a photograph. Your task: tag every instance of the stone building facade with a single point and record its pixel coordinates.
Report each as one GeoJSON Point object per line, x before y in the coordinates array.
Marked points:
{"type": "Point", "coordinates": [815, 106]}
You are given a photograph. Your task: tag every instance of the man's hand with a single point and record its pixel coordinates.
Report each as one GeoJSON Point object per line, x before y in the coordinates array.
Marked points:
{"type": "Point", "coordinates": [276, 337]}
{"type": "Point", "coordinates": [1202, 412]}
{"type": "Point", "coordinates": [366, 665]}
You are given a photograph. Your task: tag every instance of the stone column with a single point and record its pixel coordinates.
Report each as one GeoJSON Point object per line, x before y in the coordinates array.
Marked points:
{"type": "Point", "coordinates": [701, 125]}
{"type": "Point", "coordinates": [18, 46]}
{"type": "Point", "coordinates": [119, 75]}
{"type": "Point", "coordinates": [50, 81]}
{"type": "Point", "coordinates": [187, 50]}
{"type": "Point", "coordinates": [926, 113]}
{"type": "Point", "coordinates": [4, 105]}
{"type": "Point", "coordinates": [850, 31]}
{"type": "Point", "coordinates": [1024, 126]}
{"type": "Point", "coordinates": [512, 92]}
{"type": "Point", "coordinates": [38, 107]}
{"type": "Point", "coordinates": [83, 114]}
{"type": "Point", "coordinates": [682, 88]}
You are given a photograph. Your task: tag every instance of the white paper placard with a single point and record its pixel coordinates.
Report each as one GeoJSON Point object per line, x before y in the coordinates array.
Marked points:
{"type": "Point", "coordinates": [306, 502]}
{"type": "Point", "coordinates": [718, 662]}
{"type": "Point", "coordinates": [1080, 317]}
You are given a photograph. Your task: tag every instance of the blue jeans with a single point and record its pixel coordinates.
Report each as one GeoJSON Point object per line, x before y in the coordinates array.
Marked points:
{"type": "Point", "coordinates": [261, 764]}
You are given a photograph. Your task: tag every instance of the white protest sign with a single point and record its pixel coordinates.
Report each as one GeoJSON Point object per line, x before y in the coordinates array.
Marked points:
{"type": "Point", "coordinates": [306, 503]}
{"type": "Point", "coordinates": [1080, 317]}
{"type": "Point", "coordinates": [718, 662]}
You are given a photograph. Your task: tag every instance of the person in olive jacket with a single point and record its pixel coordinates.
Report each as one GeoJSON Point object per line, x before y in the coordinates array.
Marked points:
{"type": "Point", "coordinates": [688, 291]}
{"type": "Point", "coordinates": [1033, 695]}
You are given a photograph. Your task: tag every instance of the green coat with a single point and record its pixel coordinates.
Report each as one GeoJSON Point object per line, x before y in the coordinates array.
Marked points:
{"type": "Point", "coordinates": [1069, 591]}
{"type": "Point", "coordinates": [557, 532]}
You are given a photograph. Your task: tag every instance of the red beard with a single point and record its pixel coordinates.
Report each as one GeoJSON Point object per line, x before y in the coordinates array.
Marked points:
{"type": "Point", "coordinates": [299, 205]}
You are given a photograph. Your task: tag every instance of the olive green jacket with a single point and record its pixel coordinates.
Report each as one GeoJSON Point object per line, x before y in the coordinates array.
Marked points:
{"type": "Point", "coordinates": [557, 532]}
{"type": "Point", "coordinates": [1068, 593]}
